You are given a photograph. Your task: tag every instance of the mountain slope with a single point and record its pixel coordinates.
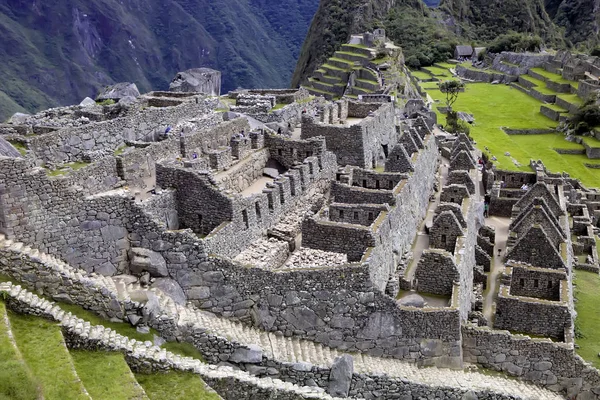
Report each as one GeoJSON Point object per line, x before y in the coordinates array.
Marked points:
{"type": "Point", "coordinates": [333, 24]}
{"type": "Point", "coordinates": [580, 18]}
{"type": "Point", "coordinates": [60, 52]}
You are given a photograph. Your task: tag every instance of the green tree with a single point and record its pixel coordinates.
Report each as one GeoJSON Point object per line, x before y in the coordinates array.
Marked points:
{"type": "Point", "coordinates": [451, 89]}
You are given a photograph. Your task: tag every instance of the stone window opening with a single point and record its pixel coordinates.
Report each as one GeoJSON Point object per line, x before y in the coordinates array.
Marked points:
{"type": "Point", "coordinates": [355, 214]}
{"type": "Point", "coordinates": [536, 283]}
{"type": "Point", "coordinates": [258, 214]}
{"type": "Point", "coordinates": [308, 153]}
{"type": "Point", "coordinates": [377, 184]}
{"type": "Point", "coordinates": [370, 216]}
{"type": "Point", "coordinates": [364, 183]}
{"type": "Point", "coordinates": [391, 184]}
{"type": "Point", "coordinates": [270, 203]}
{"type": "Point", "coordinates": [451, 199]}
{"type": "Point", "coordinates": [549, 284]}
{"type": "Point", "coordinates": [341, 214]}
{"type": "Point", "coordinates": [397, 158]}
{"type": "Point", "coordinates": [522, 282]}
{"type": "Point", "coordinates": [444, 239]}
{"type": "Point", "coordinates": [245, 218]}
{"type": "Point", "coordinates": [385, 150]}
{"type": "Point", "coordinates": [279, 152]}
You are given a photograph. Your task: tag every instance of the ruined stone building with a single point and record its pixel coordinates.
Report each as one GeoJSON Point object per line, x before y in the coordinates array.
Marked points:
{"type": "Point", "coordinates": [285, 235]}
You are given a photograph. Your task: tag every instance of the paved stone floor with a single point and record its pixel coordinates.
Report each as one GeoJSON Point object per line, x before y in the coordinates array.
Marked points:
{"type": "Point", "coordinates": [497, 266]}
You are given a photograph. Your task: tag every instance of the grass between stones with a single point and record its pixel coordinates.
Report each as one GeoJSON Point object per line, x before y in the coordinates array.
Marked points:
{"type": "Point", "coordinates": [439, 72]}
{"type": "Point", "coordinates": [43, 348]}
{"type": "Point", "coordinates": [588, 318]}
{"type": "Point", "coordinates": [497, 106]}
{"type": "Point", "coordinates": [16, 380]}
{"type": "Point", "coordinates": [106, 375]}
{"type": "Point", "coordinates": [175, 385]}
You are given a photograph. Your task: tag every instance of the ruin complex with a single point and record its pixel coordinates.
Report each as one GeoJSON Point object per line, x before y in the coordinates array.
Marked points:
{"type": "Point", "coordinates": [307, 247]}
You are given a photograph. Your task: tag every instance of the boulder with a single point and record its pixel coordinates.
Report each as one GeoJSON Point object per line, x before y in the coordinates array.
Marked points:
{"type": "Point", "coordinates": [201, 80]}
{"type": "Point", "coordinates": [171, 288]}
{"type": "Point", "coordinates": [412, 300]}
{"type": "Point", "coordinates": [340, 376]}
{"type": "Point", "coordinates": [144, 260]}
{"type": "Point", "coordinates": [118, 91]}
{"type": "Point", "coordinates": [252, 354]}
{"type": "Point", "coordinates": [87, 102]}
{"type": "Point", "coordinates": [18, 119]}
{"type": "Point", "coordinates": [127, 101]}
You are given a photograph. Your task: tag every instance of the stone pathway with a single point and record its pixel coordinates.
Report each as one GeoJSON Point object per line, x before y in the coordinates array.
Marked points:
{"type": "Point", "coordinates": [286, 349]}
{"type": "Point", "coordinates": [497, 266]}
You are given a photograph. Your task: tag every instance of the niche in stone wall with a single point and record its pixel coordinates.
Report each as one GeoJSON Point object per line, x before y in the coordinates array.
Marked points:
{"type": "Point", "coordinates": [245, 219]}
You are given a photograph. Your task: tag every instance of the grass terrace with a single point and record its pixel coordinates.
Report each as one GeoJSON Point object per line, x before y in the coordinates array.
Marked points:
{"type": "Point", "coordinates": [421, 75]}
{"type": "Point", "coordinates": [554, 77]}
{"type": "Point", "coordinates": [498, 106]}
{"type": "Point", "coordinates": [571, 98]}
{"type": "Point", "coordinates": [439, 72]}
{"type": "Point", "coordinates": [588, 318]}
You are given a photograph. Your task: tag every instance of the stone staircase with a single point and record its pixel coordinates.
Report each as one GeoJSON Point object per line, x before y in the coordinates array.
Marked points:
{"type": "Point", "coordinates": [81, 334]}
{"type": "Point", "coordinates": [288, 349]}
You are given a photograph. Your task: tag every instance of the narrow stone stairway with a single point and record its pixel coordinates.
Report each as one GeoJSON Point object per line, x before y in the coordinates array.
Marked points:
{"type": "Point", "coordinates": [82, 335]}
{"type": "Point", "coordinates": [286, 349]}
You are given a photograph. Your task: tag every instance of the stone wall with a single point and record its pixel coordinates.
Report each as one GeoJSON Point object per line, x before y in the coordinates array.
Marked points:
{"type": "Point", "coordinates": [361, 144]}
{"type": "Point", "coordinates": [289, 152]}
{"type": "Point", "coordinates": [360, 214]}
{"type": "Point", "coordinates": [436, 272]}
{"type": "Point", "coordinates": [536, 282]}
{"type": "Point", "coordinates": [242, 177]}
{"type": "Point", "coordinates": [536, 316]}
{"type": "Point", "coordinates": [553, 365]}
{"type": "Point", "coordinates": [71, 144]}
{"type": "Point", "coordinates": [352, 240]}
{"type": "Point", "coordinates": [357, 195]}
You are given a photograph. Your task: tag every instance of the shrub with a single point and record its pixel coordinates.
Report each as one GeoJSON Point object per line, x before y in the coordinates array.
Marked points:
{"type": "Point", "coordinates": [515, 42]}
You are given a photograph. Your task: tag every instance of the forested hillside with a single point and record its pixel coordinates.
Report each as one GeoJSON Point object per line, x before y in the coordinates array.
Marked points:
{"type": "Point", "coordinates": [62, 51]}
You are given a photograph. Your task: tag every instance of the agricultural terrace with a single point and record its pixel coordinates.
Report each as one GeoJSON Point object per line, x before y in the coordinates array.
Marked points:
{"type": "Point", "coordinates": [501, 106]}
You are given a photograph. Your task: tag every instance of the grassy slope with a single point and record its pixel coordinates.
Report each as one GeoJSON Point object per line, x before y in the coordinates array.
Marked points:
{"type": "Point", "coordinates": [16, 380]}
{"type": "Point", "coordinates": [176, 386]}
{"type": "Point", "coordinates": [106, 375]}
{"type": "Point", "coordinates": [43, 348]}
{"type": "Point", "coordinates": [588, 318]}
{"type": "Point", "coordinates": [496, 106]}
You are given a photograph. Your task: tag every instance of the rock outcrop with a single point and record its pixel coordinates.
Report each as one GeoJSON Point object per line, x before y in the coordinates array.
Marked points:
{"type": "Point", "coordinates": [117, 91]}
{"type": "Point", "coordinates": [202, 80]}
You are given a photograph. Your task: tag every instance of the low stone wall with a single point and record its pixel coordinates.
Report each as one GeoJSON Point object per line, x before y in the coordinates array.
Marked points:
{"type": "Point", "coordinates": [71, 144]}
{"type": "Point", "coordinates": [546, 98]}
{"type": "Point", "coordinates": [570, 151]}
{"type": "Point", "coordinates": [550, 113]}
{"type": "Point", "coordinates": [536, 316]}
{"type": "Point", "coordinates": [572, 108]}
{"type": "Point", "coordinates": [510, 131]}
{"type": "Point", "coordinates": [541, 361]}
{"type": "Point", "coordinates": [484, 75]}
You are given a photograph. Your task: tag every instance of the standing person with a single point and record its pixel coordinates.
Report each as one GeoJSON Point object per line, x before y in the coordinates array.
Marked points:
{"type": "Point", "coordinates": [486, 210]}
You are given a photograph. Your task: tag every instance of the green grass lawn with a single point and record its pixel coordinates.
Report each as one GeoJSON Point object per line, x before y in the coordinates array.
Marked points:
{"type": "Point", "coordinates": [588, 318]}
{"type": "Point", "coordinates": [446, 65]}
{"type": "Point", "coordinates": [438, 72]}
{"type": "Point", "coordinates": [497, 106]}
{"type": "Point", "coordinates": [421, 75]}
{"type": "Point", "coordinates": [554, 77]}
{"type": "Point", "coordinates": [175, 386]}
{"type": "Point", "coordinates": [43, 348]}
{"type": "Point", "coordinates": [16, 380]}
{"type": "Point", "coordinates": [106, 375]}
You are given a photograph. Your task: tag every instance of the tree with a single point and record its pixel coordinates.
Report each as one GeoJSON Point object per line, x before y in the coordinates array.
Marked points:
{"type": "Point", "coordinates": [451, 89]}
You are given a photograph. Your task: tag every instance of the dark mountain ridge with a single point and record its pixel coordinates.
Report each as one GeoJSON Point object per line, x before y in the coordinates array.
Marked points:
{"type": "Point", "coordinates": [57, 53]}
